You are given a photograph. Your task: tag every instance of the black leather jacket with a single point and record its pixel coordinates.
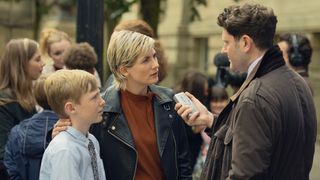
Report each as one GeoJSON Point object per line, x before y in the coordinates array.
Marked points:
{"type": "Point", "coordinates": [117, 147]}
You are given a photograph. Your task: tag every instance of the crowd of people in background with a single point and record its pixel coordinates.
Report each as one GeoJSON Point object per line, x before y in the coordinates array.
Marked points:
{"type": "Point", "coordinates": [58, 120]}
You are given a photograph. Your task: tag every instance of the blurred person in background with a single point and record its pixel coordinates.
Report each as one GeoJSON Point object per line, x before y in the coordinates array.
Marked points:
{"type": "Point", "coordinates": [27, 140]}
{"type": "Point", "coordinates": [195, 83]}
{"type": "Point", "coordinates": [20, 65]}
{"type": "Point", "coordinates": [81, 56]}
{"type": "Point", "coordinates": [218, 100]}
{"type": "Point", "coordinates": [53, 43]}
{"type": "Point", "coordinates": [224, 75]}
{"type": "Point", "coordinates": [297, 52]}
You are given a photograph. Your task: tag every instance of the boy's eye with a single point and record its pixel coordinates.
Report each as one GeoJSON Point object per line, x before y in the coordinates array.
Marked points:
{"type": "Point", "coordinates": [95, 96]}
{"type": "Point", "coordinates": [57, 53]}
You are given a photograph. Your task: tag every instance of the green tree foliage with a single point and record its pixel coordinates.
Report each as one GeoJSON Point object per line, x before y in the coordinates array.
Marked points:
{"type": "Point", "coordinates": [193, 4]}
{"type": "Point", "coordinates": [113, 11]}
{"type": "Point", "coordinates": [150, 11]}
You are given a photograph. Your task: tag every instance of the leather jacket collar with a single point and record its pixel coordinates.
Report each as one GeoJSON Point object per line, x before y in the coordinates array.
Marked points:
{"type": "Point", "coordinates": [119, 127]}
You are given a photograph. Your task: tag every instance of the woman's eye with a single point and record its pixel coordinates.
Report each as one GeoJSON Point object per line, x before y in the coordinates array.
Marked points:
{"type": "Point", "coordinates": [95, 97]}
{"type": "Point", "coordinates": [146, 60]}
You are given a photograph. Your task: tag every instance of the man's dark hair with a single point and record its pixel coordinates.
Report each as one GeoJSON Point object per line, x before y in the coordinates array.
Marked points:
{"type": "Point", "coordinates": [254, 20]}
{"type": "Point", "coordinates": [80, 56]}
{"type": "Point", "coordinates": [303, 46]}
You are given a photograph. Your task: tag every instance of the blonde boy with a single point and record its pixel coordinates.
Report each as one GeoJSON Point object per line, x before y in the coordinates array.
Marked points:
{"type": "Point", "coordinates": [74, 153]}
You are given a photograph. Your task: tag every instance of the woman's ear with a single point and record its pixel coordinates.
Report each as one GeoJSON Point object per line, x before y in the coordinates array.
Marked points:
{"type": "Point", "coordinates": [123, 70]}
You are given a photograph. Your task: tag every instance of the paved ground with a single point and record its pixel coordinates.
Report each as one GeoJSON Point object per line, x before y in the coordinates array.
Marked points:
{"type": "Point", "coordinates": [315, 172]}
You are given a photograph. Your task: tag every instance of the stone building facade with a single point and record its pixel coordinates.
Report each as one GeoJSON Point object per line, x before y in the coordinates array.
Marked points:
{"type": "Point", "coordinates": [188, 45]}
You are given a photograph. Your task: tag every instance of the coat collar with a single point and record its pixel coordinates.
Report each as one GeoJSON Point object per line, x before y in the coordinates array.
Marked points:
{"type": "Point", "coordinates": [272, 60]}
{"type": "Point", "coordinates": [160, 95]}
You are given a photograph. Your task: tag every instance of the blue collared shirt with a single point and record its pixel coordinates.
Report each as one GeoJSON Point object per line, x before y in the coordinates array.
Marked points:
{"type": "Point", "coordinates": [67, 157]}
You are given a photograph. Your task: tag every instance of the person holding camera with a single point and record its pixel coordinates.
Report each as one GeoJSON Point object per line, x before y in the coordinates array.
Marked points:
{"type": "Point", "coordinates": [297, 52]}
{"type": "Point", "coordinates": [225, 76]}
{"type": "Point", "coordinates": [268, 128]}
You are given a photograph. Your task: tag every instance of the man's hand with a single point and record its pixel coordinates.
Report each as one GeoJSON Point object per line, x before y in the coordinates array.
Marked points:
{"type": "Point", "coordinates": [200, 118]}
{"type": "Point", "coordinates": [61, 125]}
{"type": "Point", "coordinates": [197, 129]}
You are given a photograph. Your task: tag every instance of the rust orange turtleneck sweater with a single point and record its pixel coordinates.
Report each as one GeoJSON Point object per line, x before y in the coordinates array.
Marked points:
{"type": "Point", "coordinates": [139, 114]}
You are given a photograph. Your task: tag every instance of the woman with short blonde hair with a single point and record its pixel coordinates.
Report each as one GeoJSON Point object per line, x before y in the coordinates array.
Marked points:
{"type": "Point", "coordinates": [120, 54]}
{"type": "Point", "coordinates": [141, 135]}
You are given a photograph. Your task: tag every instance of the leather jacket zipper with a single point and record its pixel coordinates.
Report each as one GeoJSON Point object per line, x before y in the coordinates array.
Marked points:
{"type": "Point", "coordinates": [136, 163]}
{"type": "Point", "coordinates": [175, 154]}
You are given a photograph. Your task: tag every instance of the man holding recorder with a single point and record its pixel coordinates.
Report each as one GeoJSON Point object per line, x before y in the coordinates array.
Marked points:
{"type": "Point", "coordinates": [268, 129]}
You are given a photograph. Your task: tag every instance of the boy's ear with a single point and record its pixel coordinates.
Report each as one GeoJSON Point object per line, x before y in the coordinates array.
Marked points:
{"type": "Point", "coordinates": [69, 108]}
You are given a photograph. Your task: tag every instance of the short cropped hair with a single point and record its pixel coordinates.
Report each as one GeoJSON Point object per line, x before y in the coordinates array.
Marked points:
{"type": "Point", "coordinates": [124, 49]}
{"type": "Point", "coordinates": [304, 46]}
{"type": "Point", "coordinates": [80, 56]}
{"type": "Point", "coordinates": [140, 26]}
{"type": "Point", "coordinates": [254, 20]}
{"type": "Point", "coordinates": [68, 85]}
